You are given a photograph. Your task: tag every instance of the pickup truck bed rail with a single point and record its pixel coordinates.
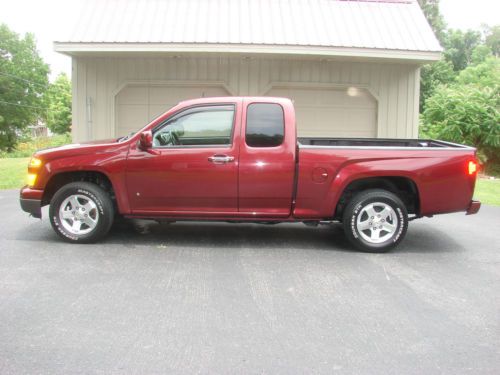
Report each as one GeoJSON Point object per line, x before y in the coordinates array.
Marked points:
{"type": "Point", "coordinates": [378, 143]}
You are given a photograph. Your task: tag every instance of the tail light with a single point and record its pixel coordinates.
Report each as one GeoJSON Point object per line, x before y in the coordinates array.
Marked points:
{"type": "Point", "coordinates": [472, 168]}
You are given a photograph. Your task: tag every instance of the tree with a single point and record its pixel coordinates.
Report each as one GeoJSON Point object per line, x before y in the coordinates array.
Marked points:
{"type": "Point", "coordinates": [441, 72]}
{"type": "Point", "coordinates": [469, 111]}
{"type": "Point", "coordinates": [432, 76]}
{"type": "Point", "coordinates": [459, 46]}
{"type": "Point", "coordinates": [434, 17]}
{"type": "Point", "coordinates": [23, 83]}
{"type": "Point", "coordinates": [492, 38]}
{"type": "Point", "coordinates": [59, 104]}
{"type": "Point", "coordinates": [480, 54]}
{"type": "Point", "coordinates": [485, 74]}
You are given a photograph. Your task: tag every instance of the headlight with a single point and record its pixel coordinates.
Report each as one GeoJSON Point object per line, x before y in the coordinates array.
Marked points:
{"type": "Point", "coordinates": [31, 179]}
{"type": "Point", "coordinates": [35, 163]}
{"type": "Point", "coordinates": [33, 167]}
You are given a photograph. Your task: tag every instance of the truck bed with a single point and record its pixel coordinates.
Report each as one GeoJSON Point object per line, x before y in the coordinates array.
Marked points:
{"type": "Point", "coordinates": [378, 143]}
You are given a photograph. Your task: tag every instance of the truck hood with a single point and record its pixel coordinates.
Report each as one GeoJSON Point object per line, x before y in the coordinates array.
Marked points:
{"type": "Point", "coordinates": [78, 149]}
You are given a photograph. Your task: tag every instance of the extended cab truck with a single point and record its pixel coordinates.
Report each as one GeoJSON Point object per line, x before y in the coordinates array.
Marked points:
{"type": "Point", "coordinates": [238, 159]}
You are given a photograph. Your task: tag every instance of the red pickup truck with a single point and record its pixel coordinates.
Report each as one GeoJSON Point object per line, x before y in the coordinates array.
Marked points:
{"type": "Point", "coordinates": [238, 159]}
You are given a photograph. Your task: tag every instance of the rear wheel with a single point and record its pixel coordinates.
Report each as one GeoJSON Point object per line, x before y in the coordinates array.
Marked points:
{"type": "Point", "coordinates": [375, 221]}
{"type": "Point", "coordinates": [81, 212]}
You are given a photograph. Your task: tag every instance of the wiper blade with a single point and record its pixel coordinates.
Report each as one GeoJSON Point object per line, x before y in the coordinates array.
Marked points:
{"type": "Point", "coordinates": [126, 137]}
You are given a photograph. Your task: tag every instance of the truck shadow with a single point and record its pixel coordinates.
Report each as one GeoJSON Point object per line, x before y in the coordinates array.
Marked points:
{"type": "Point", "coordinates": [419, 239]}
{"type": "Point", "coordinates": [226, 235]}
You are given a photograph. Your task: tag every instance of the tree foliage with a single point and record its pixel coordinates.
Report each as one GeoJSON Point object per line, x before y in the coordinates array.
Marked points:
{"type": "Point", "coordinates": [459, 46]}
{"type": "Point", "coordinates": [492, 38]}
{"type": "Point", "coordinates": [460, 95]}
{"type": "Point", "coordinates": [23, 82]}
{"type": "Point", "coordinates": [434, 17]}
{"type": "Point", "coordinates": [58, 100]}
{"type": "Point", "coordinates": [432, 76]}
{"type": "Point", "coordinates": [469, 110]}
{"type": "Point", "coordinates": [461, 50]}
{"type": "Point", "coordinates": [441, 72]}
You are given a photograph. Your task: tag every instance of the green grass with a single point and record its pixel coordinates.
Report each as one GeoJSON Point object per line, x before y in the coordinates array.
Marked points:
{"type": "Point", "coordinates": [26, 148]}
{"type": "Point", "coordinates": [488, 191]}
{"type": "Point", "coordinates": [14, 165]}
{"type": "Point", "coordinates": [13, 172]}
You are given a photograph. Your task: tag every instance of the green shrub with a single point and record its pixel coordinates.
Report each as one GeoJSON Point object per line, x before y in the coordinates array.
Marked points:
{"type": "Point", "coordinates": [468, 111]}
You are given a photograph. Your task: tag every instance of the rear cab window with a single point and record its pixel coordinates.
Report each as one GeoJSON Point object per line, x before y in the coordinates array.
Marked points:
{"type": "Point", "coordinates": [265, 125]}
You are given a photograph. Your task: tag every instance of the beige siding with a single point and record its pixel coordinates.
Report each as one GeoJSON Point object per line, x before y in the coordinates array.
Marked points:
{"type": "Point", "coordinates": [98, 80]}
{"type": "Point", "coordinates": [327, 112]}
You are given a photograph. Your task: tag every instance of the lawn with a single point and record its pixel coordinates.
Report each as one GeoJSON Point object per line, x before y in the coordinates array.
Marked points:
{"type": "Point", "coordinates": [13, 174]}
{"type": "Point", "coordinates": [488, 191]}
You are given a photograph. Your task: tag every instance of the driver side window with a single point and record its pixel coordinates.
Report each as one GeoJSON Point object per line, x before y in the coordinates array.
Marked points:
{"type": "Point", "coordinates": [199, 126]}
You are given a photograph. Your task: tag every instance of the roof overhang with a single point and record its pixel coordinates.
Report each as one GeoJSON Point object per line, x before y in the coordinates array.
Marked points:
{"type": "Point", "coordinates": [87, 49]}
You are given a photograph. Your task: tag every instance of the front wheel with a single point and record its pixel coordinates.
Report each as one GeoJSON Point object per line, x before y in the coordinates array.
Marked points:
{"type": "Point", "coordinates": [81, 212]}
{"type": "Point", "coordinates": [375, 221]}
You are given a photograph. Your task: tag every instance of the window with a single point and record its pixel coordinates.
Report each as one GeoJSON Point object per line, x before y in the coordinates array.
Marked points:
{"type": "Point", "coordinates": [199, 126]}
{"type": "Point", "coordinates": [265, 125]}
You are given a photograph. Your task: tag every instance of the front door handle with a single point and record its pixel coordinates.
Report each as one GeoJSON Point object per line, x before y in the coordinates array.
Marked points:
{"type": "Point", "coordinates": [220, 159]}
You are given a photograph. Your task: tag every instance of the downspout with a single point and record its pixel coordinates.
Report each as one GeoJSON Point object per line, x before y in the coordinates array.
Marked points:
{"type": "Point", "coordinates": [89, 117]}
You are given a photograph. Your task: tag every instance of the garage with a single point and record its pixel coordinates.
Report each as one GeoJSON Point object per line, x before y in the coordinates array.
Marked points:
{"type": "Point", "coordinates": [332, 112]}
{"type": "Point", "coordinates": [346, 77]}
{"type": "Point", "coordinates": [137, 105]}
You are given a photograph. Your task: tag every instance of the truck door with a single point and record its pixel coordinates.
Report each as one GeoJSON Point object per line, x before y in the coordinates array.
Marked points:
{"type": "Point", "coordinates": [267, 159]}
{"type": "Point", "coordinates": [192, 168]}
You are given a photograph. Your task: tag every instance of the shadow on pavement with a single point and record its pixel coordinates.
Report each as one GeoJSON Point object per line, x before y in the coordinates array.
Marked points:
{"type": "Point", "coordinates": [421, 238]}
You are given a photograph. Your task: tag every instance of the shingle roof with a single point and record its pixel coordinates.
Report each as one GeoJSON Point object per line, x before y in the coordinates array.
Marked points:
{"type": "Point", "coordinates": [373, 24]}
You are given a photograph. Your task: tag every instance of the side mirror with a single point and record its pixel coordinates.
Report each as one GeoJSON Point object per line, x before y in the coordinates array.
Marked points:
{"type": "Point", "coordinates": [146, 141]}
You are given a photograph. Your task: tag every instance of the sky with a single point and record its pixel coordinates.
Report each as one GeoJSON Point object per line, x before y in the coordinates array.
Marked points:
{"type": "Point", "coordinates": [51, 20]}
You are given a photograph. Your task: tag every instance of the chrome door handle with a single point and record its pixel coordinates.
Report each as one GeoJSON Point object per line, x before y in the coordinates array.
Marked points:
{"type": "Point", "coordinates": [220, 159]}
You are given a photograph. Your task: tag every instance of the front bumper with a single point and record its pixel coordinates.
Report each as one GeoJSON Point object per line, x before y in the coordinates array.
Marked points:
{"type": "Point", "coordinates": [473, 208]}
{"type": "Point", "coordinates": [31, 201]}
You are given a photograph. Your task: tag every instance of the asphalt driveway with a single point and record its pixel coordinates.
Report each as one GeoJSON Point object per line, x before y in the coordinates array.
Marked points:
{"type": "Point", "coordinates": [237, 299]}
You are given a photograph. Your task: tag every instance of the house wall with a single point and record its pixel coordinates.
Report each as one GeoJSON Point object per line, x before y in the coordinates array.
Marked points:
{"type": "Point", "coordinates": [97, 81]}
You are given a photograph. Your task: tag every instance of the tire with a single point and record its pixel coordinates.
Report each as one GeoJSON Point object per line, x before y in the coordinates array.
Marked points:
{"type": "Point", "coordinates": [375, 221]}
{"type": "Point", "coordinates": [81, 212]}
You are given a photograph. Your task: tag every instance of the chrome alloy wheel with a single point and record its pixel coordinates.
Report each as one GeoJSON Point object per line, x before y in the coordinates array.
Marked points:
{"type": "Point", "coordinates": [377, 222]}
{"type": "Point", "coordinates": [78, 214]}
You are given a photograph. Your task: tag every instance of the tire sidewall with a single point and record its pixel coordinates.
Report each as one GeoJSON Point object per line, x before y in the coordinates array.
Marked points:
{"type": "Point", "coordinates": [98, 196]}
{"type": "Point", "coordinates": [354, 210]}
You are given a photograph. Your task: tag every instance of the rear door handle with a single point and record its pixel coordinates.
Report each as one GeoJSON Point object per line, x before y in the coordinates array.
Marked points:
{"type": "Point", "coordinates": [220, 159]}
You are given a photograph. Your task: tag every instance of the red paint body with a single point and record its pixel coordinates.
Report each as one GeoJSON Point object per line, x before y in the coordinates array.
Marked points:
{"type": "Point", "coordinates": [290, 182]}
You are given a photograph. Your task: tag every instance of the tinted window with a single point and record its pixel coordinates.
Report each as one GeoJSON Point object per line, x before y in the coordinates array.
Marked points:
{"type": "Point", "coordinates": [265, 125]}
{"type": "Point", "coordinates": [197, 127]}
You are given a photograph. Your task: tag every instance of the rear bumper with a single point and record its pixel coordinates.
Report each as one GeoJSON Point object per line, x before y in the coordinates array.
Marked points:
{"type": "Point", "coordinates": [31, 201]}
{"type": "Point", "coordinates": [473, 208]}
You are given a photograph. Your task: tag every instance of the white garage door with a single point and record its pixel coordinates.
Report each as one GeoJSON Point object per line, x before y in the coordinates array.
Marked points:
{"type": "Point", "coordinates": [346, 112]}
{"type": "Point", "coordinates": [136, 106]}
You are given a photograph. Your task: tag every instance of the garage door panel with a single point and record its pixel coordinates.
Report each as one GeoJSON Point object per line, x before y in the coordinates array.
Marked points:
{"type": "Point", "coordinates": [131, 118]}
{"type": "Point", "coordinates": [135, 106]}
{"type": "Point", "coordinates": [332, 112]}
{"type": "Point", "coordinates": [158, 109]}
{"type": "Point", "coordinates": [133, 95]}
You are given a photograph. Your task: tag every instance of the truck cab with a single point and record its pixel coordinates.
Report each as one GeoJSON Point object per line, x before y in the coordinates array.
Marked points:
{"type": "Point", "coordinates": [218, 157]}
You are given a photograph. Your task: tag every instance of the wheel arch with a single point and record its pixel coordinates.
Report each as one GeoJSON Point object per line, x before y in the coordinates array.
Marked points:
{"type": "Point", "coordinates": [60, 179]}
{"type": "Point", "coordinates": [403, 186]}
